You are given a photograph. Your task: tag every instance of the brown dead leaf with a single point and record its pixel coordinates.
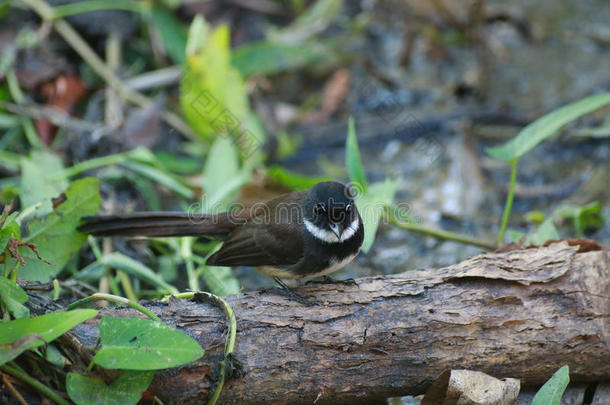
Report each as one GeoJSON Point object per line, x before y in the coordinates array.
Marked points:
{"type": "Point", "coordinates": [62, 93]}
{"type": "Point", "coordinates": [58, 200]}
{"type": "Point", "coordinates": [334, 92]}
{"type": "Point", "coordinates": [5, 212]}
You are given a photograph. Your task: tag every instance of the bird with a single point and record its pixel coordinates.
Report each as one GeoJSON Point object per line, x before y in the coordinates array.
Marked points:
{"type": "Point", "coordinates": [299, 235]}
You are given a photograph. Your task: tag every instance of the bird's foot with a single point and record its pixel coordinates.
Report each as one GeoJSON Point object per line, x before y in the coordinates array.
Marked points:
{"type": "Point", "coordinates": [283, 288]}
{"type": "Point", "coordinates": [329, 280]}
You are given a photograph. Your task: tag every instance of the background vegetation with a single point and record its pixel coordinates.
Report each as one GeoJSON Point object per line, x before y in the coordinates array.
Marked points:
{"type": "Point", "coordinates": [457, 133]}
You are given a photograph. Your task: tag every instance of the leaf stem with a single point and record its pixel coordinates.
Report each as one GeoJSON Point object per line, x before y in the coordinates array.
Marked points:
{"type": "Point", "coordinates": [509, 202]}
{"type": "Point", "coordinates": [37, 385]}
{"type": "Point", "coordinates": [440, 234]}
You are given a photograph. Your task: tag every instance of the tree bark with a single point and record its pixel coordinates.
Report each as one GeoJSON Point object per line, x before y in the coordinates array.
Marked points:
{"type": "Point", "coordinates": [521, 314]}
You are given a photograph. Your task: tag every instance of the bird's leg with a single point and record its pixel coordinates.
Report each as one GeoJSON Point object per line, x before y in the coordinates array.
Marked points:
{"type": "Point", "coordinates": [291, 293]}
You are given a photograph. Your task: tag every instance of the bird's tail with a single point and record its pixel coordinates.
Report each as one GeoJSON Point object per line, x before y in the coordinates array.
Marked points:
{"type": "Point", "coordinates": [162, 224]}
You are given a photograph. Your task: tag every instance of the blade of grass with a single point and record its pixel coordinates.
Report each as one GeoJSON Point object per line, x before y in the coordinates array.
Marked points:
{"type": "Point", "coordinates": [547, 125]}
{"type": "Point", "coordinates": [66, 10]}
{"type": "Point", "coordinates": [509, 202]}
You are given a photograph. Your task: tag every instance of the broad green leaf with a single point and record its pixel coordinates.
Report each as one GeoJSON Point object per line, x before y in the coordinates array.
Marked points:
{"type": "Point", "coordinates": [546, 231]}
{"type": "Point", "coordinates": [23, 334]}
{"type": "Point", "coordinates": [292, 180]}
{"type": "Point", "coordinates": [56, 236]}
{"type": "Point", "coordinates": [13, 296]}
{"type": "Point", "coordinates": [140, 344]}
{"type": "Point", "coordinates": [353, 163]}
{"type": "Point", "coordinates": [172, 31]}
{"type": "Point", "coordinates": [220, 280]}
{"type": "Point", "coordinates": [212, 93]}
{"type": "Point", "coordinates": [39, 182]}
{"type": "Point", "coordinates": [544, 127]}
{"type": "Point", "coordinates": [552, 391]}
{"type": "Point", "coordinates": [265, 57]}
{"type": "Point", "coordinates": [121, 262]}
{"type": "Point", "coordinates": [221, 166]}
{"type": "Point", "coordinates": [371, 205]}
{"type": "Point", "coordinates": [125, 390]}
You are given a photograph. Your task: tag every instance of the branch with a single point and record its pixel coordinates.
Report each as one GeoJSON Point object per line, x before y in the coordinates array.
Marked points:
{"type": "Point", "coordinates": [517, 314]}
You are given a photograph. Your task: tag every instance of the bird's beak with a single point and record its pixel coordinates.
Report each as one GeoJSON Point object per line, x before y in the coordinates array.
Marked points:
{"type": "Point", "coordinates": [337, 229]}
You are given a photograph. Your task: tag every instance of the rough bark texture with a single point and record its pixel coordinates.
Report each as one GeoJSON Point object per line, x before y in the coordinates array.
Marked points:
{"type": "Point", "coordinates": [517, 314]}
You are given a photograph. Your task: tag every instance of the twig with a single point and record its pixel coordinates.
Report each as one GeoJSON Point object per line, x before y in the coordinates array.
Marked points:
{"type": "Point", "coordinates": [32, 382]}
{"type": "Point", "coordinates": [13, 390]}
{"type": "Point", "coordinates": [81, 47]}
{"type": "Point", "coordinates": [156, 78]}
{"type": "Point", "coordinates": [114, 102]}
{"type": "Point", "coordinates": [57, 117]}
{"type": "Point", "coordinates": [440, 234]}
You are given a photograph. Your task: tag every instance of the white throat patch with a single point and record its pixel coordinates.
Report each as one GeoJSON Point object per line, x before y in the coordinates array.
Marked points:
{"type": "Point", "coordinates": [328, 236]}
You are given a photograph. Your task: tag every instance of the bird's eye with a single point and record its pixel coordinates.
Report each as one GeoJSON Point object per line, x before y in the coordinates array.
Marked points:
{"type": "Point", "coordinates": [348, 208]}
{"type": "Point", "coordinates": [319, 209]}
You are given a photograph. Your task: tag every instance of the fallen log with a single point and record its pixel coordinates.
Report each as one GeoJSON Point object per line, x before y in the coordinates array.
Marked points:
{"type": "Point", "coordinates": [521, 314]}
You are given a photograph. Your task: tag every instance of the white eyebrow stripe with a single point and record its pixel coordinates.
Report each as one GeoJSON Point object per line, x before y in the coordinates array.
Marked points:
{"type": "Point", "coordinates": [329, 237]}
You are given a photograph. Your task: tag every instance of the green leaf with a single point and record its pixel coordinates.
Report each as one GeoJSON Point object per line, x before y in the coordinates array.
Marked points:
{"type": "Point", "coordinates": [547, 125]}
{"type": "Point", "coordinates": [515, 236]}
{"type": "Point", "coordinates": [264, 57]}
{"type": "Point", "coordinates": [38, 180]}
{"type": "Point", "coordinates": [220, 280]}
{"type": "Point", "coordinates": [10, 229]}
{"type": "Point", "coordinates": [126, 389]}
{"type": "Point", "coordinates": [371, 205]}
{"type": "Point", "coordinates": [221, 167]}
{"type": "Point", "coordinates": [172, 31]}
{"type": "Point", "coordinates": [121, 262]}
{"type": "Point", "coordinates": [352, 158]}
{"type": "Point", "coordinates": [27, 333]}
{"type": "Point", "coordinates": [56, 236]}
{"type": "Point", "coordinates": [546, 231]}
{"type": "Point", "coordinates": [552, 391]}
{"type": "Point", "coordinates": [584, 217]}
{"type": "Point", "coordinates": [212, 93]}
{"type": "Point", "coordinates": [54, 356]}
{"type": "Point", "coordinates": [13, 296]}
{"type": "Point", "coordinates": [293, 180]}
{"type": "Point", "coordinates": [139, 344]}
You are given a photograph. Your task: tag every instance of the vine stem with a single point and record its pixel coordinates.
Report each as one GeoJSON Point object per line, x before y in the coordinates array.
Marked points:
{"type": "Point", "coordinates": [440, 234]}
{"type": "Point", "coordinates": [229, 343]}
{"type": "Point", "coordinates": [117, 300]}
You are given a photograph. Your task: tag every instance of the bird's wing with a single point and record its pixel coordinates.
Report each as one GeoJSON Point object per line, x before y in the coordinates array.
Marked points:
{"type": "Point", "coordinates": [257, 246]}
{"type": "Point", "coordinates": [272, 236]}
